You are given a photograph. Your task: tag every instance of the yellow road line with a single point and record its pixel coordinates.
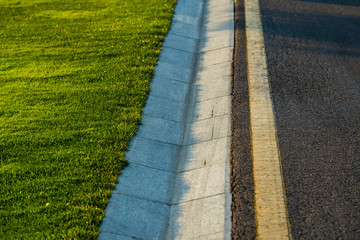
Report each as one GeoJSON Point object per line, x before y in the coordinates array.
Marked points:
{"type": "Point", "coordinates": [270, 202]}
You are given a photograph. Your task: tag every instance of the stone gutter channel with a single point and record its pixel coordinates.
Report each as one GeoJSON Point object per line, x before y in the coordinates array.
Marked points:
{"type": "Point", "coordinates": [177, 183]}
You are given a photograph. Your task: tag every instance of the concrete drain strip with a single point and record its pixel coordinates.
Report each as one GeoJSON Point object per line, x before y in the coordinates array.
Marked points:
{"type": "Point", "coordinates": [177, 183]}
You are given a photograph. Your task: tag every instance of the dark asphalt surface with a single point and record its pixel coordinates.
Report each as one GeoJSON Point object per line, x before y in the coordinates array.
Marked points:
{"type": "Point", "coordinates": [313, 56]}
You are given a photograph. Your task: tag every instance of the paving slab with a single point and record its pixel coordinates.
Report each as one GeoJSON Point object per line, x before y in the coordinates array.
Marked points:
{"type": "Point", "coordinates": [146, 183]}
{"type": "Point", "coordinates": [207, 219]}
{"type": "Point", "coordinates": [176, 57]}
{"type": "Point", "coordinates": [181, 43]}
{"type": "Point", "coordinates": [200, 183]}
{"type": "Point", "coordinates": [213, 107]}
{"type": "Point", "coordinates": [206, 89]}
{"type": "Point", "coordinates": [141, 151]}
{"type": "Point", "coordinates": [216, 56]}
{"type": "Point", "coordinates": [169, 89]}
{"type": "Point", "coordinates": [187, 19]}
{"type": "Point", "coordinates": [195, 157]}
{"type": "Point", "coordinates": [173, 72]}
{"type": "Point", "coordinates": [209, 129]}
{"type": "Point", "coordinates": [135, 218]}
{"type": "Point", "coordinates": [220, 26]}
{"type": "Point", "coordinates": [220, 3]}
{"type": "Point", "coordinates": [216, 41]}
{"type": "Point", "coordinates": [214, 72]}
{"type": "Point", "coordinates": [219, 11]}
{"type": "Point", "coordinates": [161, 130]}
{"type": "Point", "coordinates": [185, 30]}
{"type": "Point", "coordinates": [170, 110]}
{"type": "Point", "coordinates": [189, 7]}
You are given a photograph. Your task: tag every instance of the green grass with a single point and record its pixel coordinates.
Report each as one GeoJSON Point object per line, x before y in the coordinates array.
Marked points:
{"type": "Point", "coordinates": [74, 75]}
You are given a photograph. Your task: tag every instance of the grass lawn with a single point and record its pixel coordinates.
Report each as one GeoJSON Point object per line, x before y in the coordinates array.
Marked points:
{"type": "Point", "coordinates": [74, 76]}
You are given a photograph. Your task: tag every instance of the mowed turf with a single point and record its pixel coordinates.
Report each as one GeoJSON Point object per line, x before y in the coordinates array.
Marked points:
{"type": "Point", "coordinates": [74, 76]}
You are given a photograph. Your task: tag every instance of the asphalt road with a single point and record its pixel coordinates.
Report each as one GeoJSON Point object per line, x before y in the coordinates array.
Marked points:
{"type": "Point", "coordinates": [313, 57]}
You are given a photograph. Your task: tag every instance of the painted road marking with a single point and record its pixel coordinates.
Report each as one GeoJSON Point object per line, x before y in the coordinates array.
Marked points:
{"type": "Point", "coordinates": [270, 202]}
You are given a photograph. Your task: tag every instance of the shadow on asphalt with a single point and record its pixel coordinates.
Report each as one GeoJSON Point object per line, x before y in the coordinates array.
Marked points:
{"type": "Point", "coordinates": [337, 2]}
{"type": "Point", "coordinates": [316, 27]}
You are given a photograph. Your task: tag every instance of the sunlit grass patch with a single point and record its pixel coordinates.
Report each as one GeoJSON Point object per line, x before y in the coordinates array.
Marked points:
{"type": "Point", "coordinates": [74, 76]}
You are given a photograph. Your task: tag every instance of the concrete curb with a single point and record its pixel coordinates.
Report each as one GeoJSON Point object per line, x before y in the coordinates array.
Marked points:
{"type": "Point", "coordinates": [177, 183]}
